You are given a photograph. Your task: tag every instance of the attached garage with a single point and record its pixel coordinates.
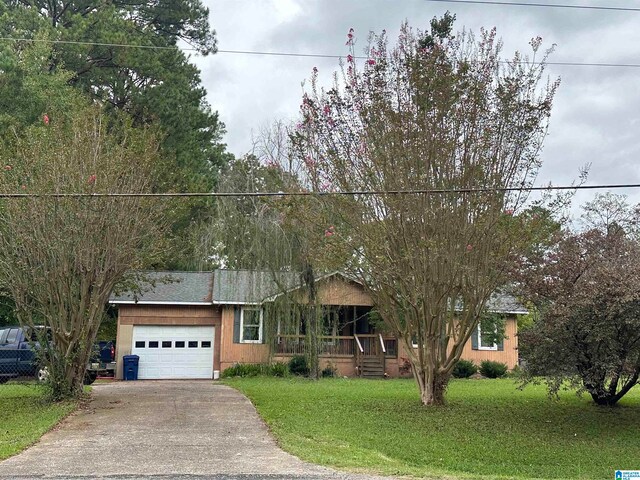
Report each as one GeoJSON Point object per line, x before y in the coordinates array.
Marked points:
{"type": "Point", "coordinates": [173, 326]}
{"type": "Point", "coordinates": [172, 352]}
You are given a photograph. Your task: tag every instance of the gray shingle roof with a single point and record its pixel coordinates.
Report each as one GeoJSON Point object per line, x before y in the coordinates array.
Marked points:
{"type": "Point", "coordinates": [505, 303]}
{"type": "Point", "coordinates": [171, 287]}
{"type": "Point", "coordinates": [245, 287]}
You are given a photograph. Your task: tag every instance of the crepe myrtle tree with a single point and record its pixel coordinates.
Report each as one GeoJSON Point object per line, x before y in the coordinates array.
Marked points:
{"type": "Point", "coordinates": [60, 257]}
{"type": "Point", "coordinates": [586, 290]}
{"type": "Point", "coordinates": [434, 112]}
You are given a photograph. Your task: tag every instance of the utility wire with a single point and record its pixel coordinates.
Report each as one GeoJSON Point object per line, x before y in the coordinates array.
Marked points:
{"type": "Point", "coordinates": [546, 5]}
{"type": "Point", "coordinates": [283, 54]}
{"type": "Point", "coordinates": [434, 191]}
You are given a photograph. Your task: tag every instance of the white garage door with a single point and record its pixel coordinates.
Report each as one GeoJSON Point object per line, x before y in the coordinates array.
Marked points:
{"type": "Point", "coordinates": [173, 352]}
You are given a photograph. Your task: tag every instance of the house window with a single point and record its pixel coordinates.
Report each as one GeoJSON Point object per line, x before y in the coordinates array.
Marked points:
{"type": "Point", "coordinates": [251, 325]}
{"type": "Point", "coordinates": [486, 338]}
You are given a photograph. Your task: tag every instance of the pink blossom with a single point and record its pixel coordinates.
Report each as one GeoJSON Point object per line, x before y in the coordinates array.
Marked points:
{"type": "Point", "coordinates": [469, 247]}
{"type": "Point", "coordinates": [509, 211]}
{"type": "Point", "coordinates": [315, 69]}
{"type": "Point", "coordinates": [371, 61]}
{"type": "Point", "coordinates": [45, 119]}
{"type": "Point", "coordinates": [326, 110]}
{"type": "Point", "coordinates": [24, 187]}
{"type": "Point", "coordinates": [349, 58]}
{"type": "Point", "coordinates": [329, 232]}
{"type": "Point", "coordinates": [310, 162]}
{"type": "Point", "coordinates": [91, 180]}
{"type": "Point", "coordinates": [8, 167]}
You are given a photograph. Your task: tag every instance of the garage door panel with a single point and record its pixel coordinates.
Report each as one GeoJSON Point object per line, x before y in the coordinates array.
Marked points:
{"type": "Point", "coordinates": [160, 358]}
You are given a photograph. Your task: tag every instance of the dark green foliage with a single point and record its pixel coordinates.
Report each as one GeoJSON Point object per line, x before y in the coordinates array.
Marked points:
{"type": "Point", "coordinates": [329, 371]}
{"type": "Point", "coordinates": [464, 369]}
{"type": "Point", "coordinates": [154, 86]}
{"type": "Point", "coordinates": [441, 29]}
{"type": "Point", "coordinates": [243, 370]}
{"type": "Point", "coordinates": [298, 365]}
{"type": "Point", "coordinates": [491, 369]}
{"type": "Point", "coordinates": [277, 369]}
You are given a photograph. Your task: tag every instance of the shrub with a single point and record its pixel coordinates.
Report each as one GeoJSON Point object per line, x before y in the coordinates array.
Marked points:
{"type": "Point", "coordinates": [464, 369]}
{"type": "Point", "coordinates": [279, 369]}
{"type": "Point", "coordinates": [298, 365]}
{"type": "Point", "coordinates": [256, 369]}
{"type": "Point", "coordinates": [493, 369]}
{"type": "Point", "coordinates": [330, 371]}
{"type": "Point", "coordinates": [244, 370]}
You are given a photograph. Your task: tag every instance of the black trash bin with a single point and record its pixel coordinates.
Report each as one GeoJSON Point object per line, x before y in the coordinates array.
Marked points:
{"type": "Point", "coordinates": [130, 370]}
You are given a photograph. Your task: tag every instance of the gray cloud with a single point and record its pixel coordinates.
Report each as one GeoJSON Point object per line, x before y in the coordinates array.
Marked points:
{"type": "Point", "coordinates": [595, 118]}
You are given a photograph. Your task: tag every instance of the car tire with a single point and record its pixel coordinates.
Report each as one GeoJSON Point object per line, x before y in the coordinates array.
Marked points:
{"type": "Point", "coordinates": [42, 375]}
{"type": "Point", "coordinates": [90, 377]}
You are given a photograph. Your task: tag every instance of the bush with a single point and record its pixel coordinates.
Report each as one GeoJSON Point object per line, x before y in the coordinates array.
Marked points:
{"type": "Point", "coordinates": [256, 369]}
{"type": "Point", "coordinates": [298, 365]}
{"type": "Point", "coordinates": [243, 370]}
{"type": "Point", "coordinates": [330, 371]}
{"type": "Point", "coordinates": [464, 369]}
{"type": "Point", "coordinates": [493, 369]}
{"type": "Point", "coordinates": [279, 369]}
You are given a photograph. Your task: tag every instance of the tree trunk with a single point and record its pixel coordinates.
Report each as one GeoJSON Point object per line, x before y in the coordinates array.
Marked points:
{"type": "Point", "coordinates": [313, 320]}
{"type": "Point", "coordinates": [432, 385]}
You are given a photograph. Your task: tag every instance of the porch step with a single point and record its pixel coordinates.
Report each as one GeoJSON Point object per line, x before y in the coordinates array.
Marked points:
{"type": "Point", "coordinates": [372, 367]}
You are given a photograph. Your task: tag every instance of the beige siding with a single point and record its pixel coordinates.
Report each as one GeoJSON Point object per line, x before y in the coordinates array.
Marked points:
{"type": "Point", "coordinates": [509, 355]}
{"type": "Point", "coordinates": [130, 315]}
{"type": "Point", "coordinates": [232, 353]}
{"type": "Point", "coordinates": [336, 291]}
{"type": "Point", "coordinates": [123, 345]}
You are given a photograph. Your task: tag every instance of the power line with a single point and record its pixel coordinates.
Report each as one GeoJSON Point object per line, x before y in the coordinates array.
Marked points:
{"type": "Point", "coordinates": [547, 5]}
{"type": "Point", "coordinates": [285, 54]}
{"type": "Point", "coordinates": [434, 191]}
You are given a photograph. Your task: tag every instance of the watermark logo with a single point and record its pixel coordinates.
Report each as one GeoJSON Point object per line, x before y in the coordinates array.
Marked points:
{"type": "Point", "coordinates": [627, 475]}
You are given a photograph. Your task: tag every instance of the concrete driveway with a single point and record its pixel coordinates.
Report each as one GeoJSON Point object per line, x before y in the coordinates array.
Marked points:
{"type": "Point", "coordinates": [162, 428]}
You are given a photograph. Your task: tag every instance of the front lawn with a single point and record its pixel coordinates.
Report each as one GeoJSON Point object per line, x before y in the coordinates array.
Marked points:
{"type": "Point", "coordinates": [487, 429]}
{"type": "Point", "coordinates": [25, 416]}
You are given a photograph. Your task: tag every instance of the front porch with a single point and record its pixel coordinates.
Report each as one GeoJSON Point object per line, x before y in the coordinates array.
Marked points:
{"type": "Point", "coordinates": [369, 355]}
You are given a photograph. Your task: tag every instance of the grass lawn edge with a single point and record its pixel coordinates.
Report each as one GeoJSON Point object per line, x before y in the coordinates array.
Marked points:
{"type": "Point", "coordinates": [431, 475]}
{"type": "Point", "coordinates": [297, 420]}
{"type": "Point", "coordinates": [74, 406]}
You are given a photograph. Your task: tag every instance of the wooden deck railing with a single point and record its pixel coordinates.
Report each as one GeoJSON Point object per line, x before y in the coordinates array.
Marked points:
{"type": "Point", "coordinates": [329, 345]}
{"type": "Point", "coordinates": [343, 346]}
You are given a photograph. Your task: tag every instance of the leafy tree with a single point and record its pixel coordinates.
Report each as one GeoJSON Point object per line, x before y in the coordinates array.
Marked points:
{"type": "Point", "coordinates": [60, 257]}
{"type": "Point", "coordinates": [586, 290]}
{"type": "Point", "coordinates": [266, 234]}
{"type": "Point", "coordinates": [436, 112]}
{"type": "Point", "coordinates": [152, 85]}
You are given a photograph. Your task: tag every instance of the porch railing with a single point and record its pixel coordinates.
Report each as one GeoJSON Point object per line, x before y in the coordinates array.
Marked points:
{"type": "Point", "coordinates": [339, 346]}
{"type": "Point", "coordinates": [336, 346]}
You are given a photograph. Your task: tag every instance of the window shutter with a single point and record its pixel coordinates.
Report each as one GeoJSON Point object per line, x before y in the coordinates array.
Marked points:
{"type": "Point", "coordinates": [501, 345]}
{"type": "Point", "coordinates": [474, 340]}
{"type": "Point", "coordinates": [236, 325]}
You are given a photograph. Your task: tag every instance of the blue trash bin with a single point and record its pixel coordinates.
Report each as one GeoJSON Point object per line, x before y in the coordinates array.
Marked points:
{"type": "Point", "coordinates": [130, 370]}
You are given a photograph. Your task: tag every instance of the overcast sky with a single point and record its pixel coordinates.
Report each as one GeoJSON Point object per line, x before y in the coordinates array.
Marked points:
{"type": "Point", "coordinates": [596, 116]}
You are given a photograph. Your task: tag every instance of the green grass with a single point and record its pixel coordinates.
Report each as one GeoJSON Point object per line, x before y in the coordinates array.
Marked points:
{"type": "Point", "coordinates": [25, 416]}
{"type": "Point", "coordinates": [488, 428]}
